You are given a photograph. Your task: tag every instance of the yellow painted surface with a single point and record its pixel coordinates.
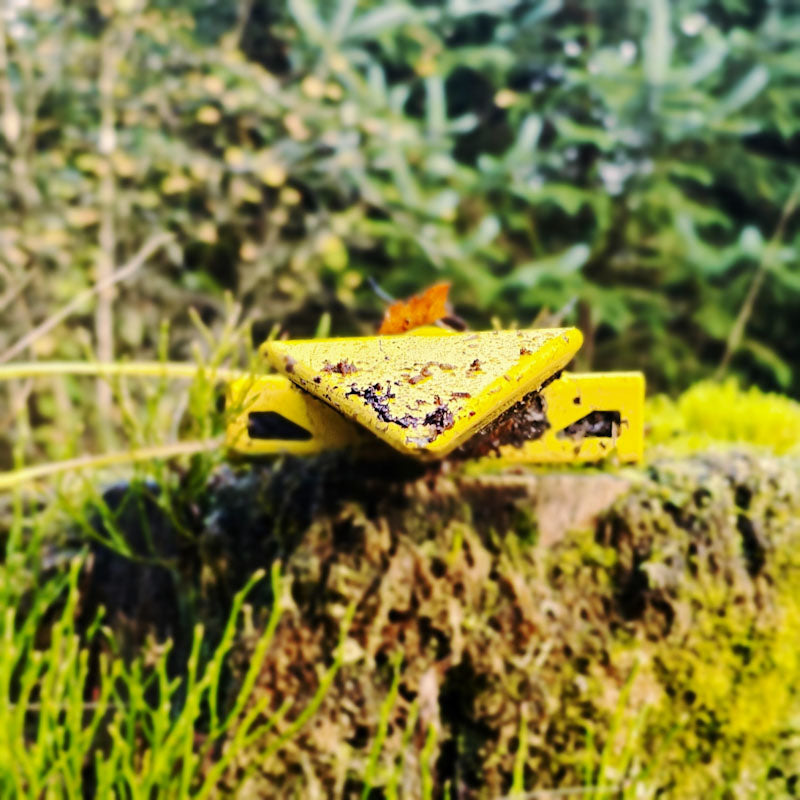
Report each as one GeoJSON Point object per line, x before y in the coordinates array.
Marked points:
{"type": "Point", "coordinates": [603, 391]}
{"type": "Point", "coordinates": [574, 396]}
{"type": "Point", "coordinates": [328, 430]}
{"type": "Point", "coordinates": [425, 394]}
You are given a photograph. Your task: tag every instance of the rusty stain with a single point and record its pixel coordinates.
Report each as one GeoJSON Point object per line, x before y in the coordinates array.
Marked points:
{"type": "Point", "coordinates": [440, 420]}
{"type": "Point", "coordinates": [525, 421]}
{"type": "Point", "coordinates": [425, 372]}
{"type": "Point", "coordinates": [344, 367]}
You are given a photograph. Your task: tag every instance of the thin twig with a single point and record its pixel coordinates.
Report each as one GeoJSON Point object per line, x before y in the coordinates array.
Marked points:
{"type": "Point", "coordinates": [11, 294]}
{"type": "Point", "coordinates": [11, 119]}
{"type": "Point", "coordinates": [379, 291]}
{"type": "Point", "coordinates": [568, 791]}
{"type": "Point", "coordinates": [114, 44]}
{"type": "Point", "coordinates": [86, 706]}
{"type": "Point", "coordinates": [20, 392]}
{"type": "Point", "coordinates": [148, 248]}
{"type": "Point", "coordinates": [242, 16]}
{"type": "Point", "coordinates": [17, 477]}
{"type": "Point", "coordinates": [12, 127]}
{"type": "Point", "coordinates": [746, 311]}
{"type": "Point", "coordinates": [19, 400]}
{"type": "Point", "coordinates": [143, 369]}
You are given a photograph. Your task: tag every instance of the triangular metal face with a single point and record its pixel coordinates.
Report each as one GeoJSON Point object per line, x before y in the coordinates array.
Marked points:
{"type": "Point", "coordinates": [425, 394]}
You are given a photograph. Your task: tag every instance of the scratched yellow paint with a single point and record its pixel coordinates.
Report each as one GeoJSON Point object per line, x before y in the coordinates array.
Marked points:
{"type": "Point", "coordinates": [622, 392]}
{"type": "Point", "coordinates": [327, 430]}
{"type": "Point", "coordinates": [574, 396]}
{"type": "Point", "coordinates": [425, 394]}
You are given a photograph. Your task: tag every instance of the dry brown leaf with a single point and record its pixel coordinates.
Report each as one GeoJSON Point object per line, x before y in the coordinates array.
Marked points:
{"type": "Point", "coordinates": [422, 309]}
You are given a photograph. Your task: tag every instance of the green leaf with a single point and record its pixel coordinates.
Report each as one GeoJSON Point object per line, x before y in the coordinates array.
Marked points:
{"type": "Point", "coordinates": [436, 106]}
{"type": "Point", "coordinates": [383, 19]}
{"type": "Point", "coordinates": [744, 92]}
{"type": "Point", "coordinates": [715, 320]}
{"type": "Point", "coordinates": [561, 265]}
{"type": "Point", "coordinates": [305, 15]}
{"type": "Point", "coordinates": [708, 62]}
{"type": "Point", "coordinates": [344, 13]}
{"type": "Point", "coordinates": [695, 172]}
{"type": "Point", "coordinates": [768, 358]}
{"type": "Point", "coordinates": [789, 279]}
{"type": "Point", "coordinates": [575, 132]}
{"type": "Point", "coordinates": [657, 43]}
{"type": "Point", "coordinates": [568, 198]}
{"type": "Point", "coordinates": [542, 10]}
{"type": "Point", "coordinates": [527, 139]}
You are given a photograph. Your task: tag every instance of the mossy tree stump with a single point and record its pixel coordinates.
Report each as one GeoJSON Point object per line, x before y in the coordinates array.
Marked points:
{"type": "Point", "coordinates": [637, 630]}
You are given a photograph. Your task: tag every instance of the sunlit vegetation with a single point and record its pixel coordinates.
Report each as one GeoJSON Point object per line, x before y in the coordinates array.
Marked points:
{"type": "Point", "coordinates": [180, 181]}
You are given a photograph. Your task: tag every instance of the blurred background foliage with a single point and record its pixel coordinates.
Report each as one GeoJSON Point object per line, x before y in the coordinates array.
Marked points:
{"type": "Point", "coordinates": [627, 167]}
{"type": "Point", "coordinates": [630, 168]}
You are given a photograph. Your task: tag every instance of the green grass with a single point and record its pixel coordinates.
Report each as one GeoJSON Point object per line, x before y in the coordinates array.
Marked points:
{"type": "Point", "coordinates": [138, 732]}
{"type": "Point", "coordinates": [75, 715]}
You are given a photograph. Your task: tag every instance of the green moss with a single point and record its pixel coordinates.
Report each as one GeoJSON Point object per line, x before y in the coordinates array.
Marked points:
{"type": "Point", "coordinates": [711, 412]}
{"type": "Point", "coordinates": [655, 652]}
{"type": "Point", "coordinates": [708, 572]}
